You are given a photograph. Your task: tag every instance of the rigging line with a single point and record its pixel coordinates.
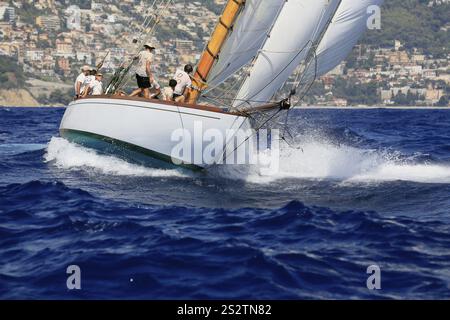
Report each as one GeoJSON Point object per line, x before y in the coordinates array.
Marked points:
{"type": "Point", "coordinates": [207, 90]}
{"type": "Point", "coordinates": [228, 91]}
{"type": "Point", "coordinates": [148, 19]}
{"type": "Point", "coordinates": [166, 4]}
{"type": "Point", "coordinates": [299, 79]}
{"type": "Point", "coordinates": [256, 131]}
{"type": "Point", "coordinates": [230, 32]}
{"type": "Point", "coordinates": [181, 119]}
{"type": "Point", "coordinates": [286, 129]}
{"type": "Point", "coordinates": [224, 150]}
{"type": "Point", "coordinates": [216, 102]}
{"type": "Point", "coordinates": [279, 73]}
{"type": "Point", "coordinates": [243, 100]}
{"type": "Point", "coordinates": [280, 10]}
{"type": "Point", "coordinates": [314, 54]}
{"type": "Point", "coordinates": [290, 145]}
{"type": "Point", "coordinates": [312, 43]}
{"type": "Point", "coordinates": [308, 88]}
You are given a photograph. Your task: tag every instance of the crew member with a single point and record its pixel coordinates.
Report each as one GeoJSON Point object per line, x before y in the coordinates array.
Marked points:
{"type": "Point", "coordinates": [89, 80]}
{"type": "Point", "coordinates": [95, 87]}
{"type": "Point", "coordinates": [82, 81]}
{"type": "Point", "coordinates": [167, 92]}
{"type": "Point", "coordinates": [183, 83]}
{"type": "Point", "coordinates": [143, 71]}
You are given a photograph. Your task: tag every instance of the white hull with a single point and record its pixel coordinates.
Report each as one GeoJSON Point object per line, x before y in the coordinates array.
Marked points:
{"type": "Point", "coordinates": [146, 127]}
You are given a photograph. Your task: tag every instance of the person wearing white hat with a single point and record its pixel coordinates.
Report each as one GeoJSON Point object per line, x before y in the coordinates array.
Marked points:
{"type": "Point", "coordinates": [95, 87]}
{"type": "Point", "coordinates": [82, 81]}
{"type": "Point", "coordinates": [143, 71]}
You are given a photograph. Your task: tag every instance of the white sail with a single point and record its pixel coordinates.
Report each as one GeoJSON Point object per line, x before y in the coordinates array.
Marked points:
{"type": "Point", "coordinates": [298, 25]}
{"type": "Point", "coordinates": [347, 27]}
{"type": "Point", "coordinates": [249, 33]}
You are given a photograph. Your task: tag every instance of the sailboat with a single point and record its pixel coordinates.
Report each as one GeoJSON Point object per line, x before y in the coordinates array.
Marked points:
{"type": "Point", "coordinates": [255, 49]}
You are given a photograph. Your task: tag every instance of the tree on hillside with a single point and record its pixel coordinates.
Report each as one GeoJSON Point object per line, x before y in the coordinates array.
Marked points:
{"type": "Point", "coordinates": [11, 74]}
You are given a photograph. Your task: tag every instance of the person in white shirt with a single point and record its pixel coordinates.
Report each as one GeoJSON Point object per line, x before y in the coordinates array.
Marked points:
{"type": "Point", "coordinates": [96, 86]}
{"type": "Point", "coordinates": [183, 82]}
{"type": "Point", "coordinates": [89, 79]}
{"type": "Point", "coordinates": [167, 92]}
{"type": "Point", "coordinates": [82, 81]}
{"type": "Point", "coordinates": [143, 71]}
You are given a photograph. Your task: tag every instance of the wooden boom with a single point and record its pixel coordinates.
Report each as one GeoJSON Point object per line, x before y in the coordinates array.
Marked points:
{"type": "Point", "coordinates": [211, 53]}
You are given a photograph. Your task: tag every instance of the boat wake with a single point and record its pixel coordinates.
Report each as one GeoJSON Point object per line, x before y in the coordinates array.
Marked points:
{"type": "Point", "coordinates": [315, 159]}
{"type": "Point", "coordinates": [322, 160]}
{"type": "Point", "coordinates": [67, 155]}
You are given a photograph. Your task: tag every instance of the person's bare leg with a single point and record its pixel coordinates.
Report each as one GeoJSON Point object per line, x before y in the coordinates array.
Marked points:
{"type": "Point", "coordinates": [136, 92]}
{"type": "Point", "coordinates": [154, 93]}
{"type": "Point", "coordinates": [146, 93]}
{"type": "Point", "coordinates": [180, 99]}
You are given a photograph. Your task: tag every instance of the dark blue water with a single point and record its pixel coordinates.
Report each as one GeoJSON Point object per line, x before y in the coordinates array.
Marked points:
{"type": "Point", "coordinates": [368, 187]}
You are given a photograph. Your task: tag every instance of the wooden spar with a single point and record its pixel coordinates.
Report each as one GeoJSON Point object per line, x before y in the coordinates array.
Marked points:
{"type": "Point", "coordinates": [211, 53]}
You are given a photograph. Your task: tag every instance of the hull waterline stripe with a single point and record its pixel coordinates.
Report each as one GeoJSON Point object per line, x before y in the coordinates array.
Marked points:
{"type": "Point", "coordinates": [70, 133]}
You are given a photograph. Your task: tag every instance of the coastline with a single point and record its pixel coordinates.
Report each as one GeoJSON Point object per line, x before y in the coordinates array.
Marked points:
{"type": "Point", "coordinates": [374, 107]}
{"type": "Point", "coordinates": [299, 108]}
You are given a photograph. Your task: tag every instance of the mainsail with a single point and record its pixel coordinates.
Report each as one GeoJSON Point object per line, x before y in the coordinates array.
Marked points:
{"type": "Point", "coordinates": [299, 23]}
{"type": "Point", "coordinates": [249, 34]}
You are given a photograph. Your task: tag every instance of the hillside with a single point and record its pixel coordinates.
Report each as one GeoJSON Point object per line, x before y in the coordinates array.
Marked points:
{"type": "Point", "coordinates": [57, 49]}
{"type": "Point", "coordinates": [416, 24]}
{"type": "Point", "coordinates": [11, 74]}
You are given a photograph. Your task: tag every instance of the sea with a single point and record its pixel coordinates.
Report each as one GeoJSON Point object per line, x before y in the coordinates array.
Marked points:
{"type": "Point", "coordinates": [359, 209]}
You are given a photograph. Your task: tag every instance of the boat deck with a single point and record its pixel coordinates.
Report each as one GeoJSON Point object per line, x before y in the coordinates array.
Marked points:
{"type": "Point", "coordinates": [169, 103]}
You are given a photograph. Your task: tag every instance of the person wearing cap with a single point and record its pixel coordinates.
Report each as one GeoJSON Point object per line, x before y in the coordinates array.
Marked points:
{"type": "Point", "coordinates": [184, 82]}
{"type": "Point", "coordinates": [143, 71]}
{"type": "Point", "coordinates": [82, 81]}
{"type": "Point", "coordinates": [95, 87]}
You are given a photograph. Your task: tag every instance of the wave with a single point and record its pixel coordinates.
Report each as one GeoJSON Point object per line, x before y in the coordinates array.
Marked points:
{"type": "Point", "coordinates": [325, 160]}
{"type": "Point", "coordinates": [281, 253]}
{"type": "Point", "coordinates": [315, 158]}
{"type": "Point", "coordinates": [67, 155]}
{"type": "Point", "coordinates": [322, 160]}
{"type": "Point", "coordinates": [16, 148]}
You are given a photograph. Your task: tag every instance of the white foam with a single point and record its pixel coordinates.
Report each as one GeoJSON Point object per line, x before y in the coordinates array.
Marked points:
{"type": "Point", "coordinates": [69, 156]}
{"type": "Point", "coordinates": [317, 159]}
{"type": "Point", "coordinates": [321, 160]}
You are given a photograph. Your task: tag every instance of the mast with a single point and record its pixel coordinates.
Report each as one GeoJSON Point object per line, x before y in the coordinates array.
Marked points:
{"type": "Point", "coordinates": [211, 53]}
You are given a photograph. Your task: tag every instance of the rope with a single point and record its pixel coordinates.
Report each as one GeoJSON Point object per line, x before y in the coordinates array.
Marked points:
{"type": "Point", "coordinates": [152, 21]}
{"type": "Point", "coordinates": [155, 22]}
{"type": "Point", "coordinates": [256, 131]}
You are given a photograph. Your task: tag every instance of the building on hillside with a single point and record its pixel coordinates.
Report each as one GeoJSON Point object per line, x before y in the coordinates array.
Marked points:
{"type": "Point", "coordinates": [49, 22]}
{"type": "Point", "coordinates": [73, 17]}
{"type": "Point", "coordinates": [64, 65]}
{"type": "Point", "coordinates": [338, 102]}
{"type": "Point", "coordinates": [64, 46]}
{"type": "Point", "coordinates": [7, 14]}
{"type": "Point", "coordinates": [433, 96]}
